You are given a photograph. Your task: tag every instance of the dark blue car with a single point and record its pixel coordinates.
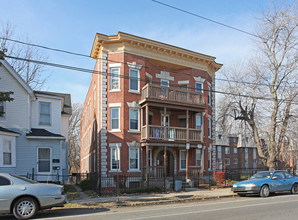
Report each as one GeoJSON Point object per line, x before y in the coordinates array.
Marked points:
{"type": "Point", "coordinates": [266, 182]}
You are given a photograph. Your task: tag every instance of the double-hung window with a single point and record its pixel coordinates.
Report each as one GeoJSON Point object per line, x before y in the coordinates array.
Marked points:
{"type": "Point", "coordinates": [198, 157]}
{"type": "Point", "coordinates": [165, 84]}
{"type": "Point", "coordinates": [134, 119]}
{"type": "Point", "coordinates": [115, 78]}
{"type": "Point", "coordinates": [227, 161]}
{"type": "Point", "coordinates": [2, 109]}
{"type": "Point", "coordinates": [227, 150]}
{"type": "Point", "coordinates": [115, 118]}
{"type": "Point", "coordinates": [44, 113]}
{"type": "Point", "coordinates": [209, 127]}
{"type": "Point", "coordinates": [209, 95]}
{"type": "Point", "coordinates": [198, 121]}
{"type": "Point", "coordinates": [182, 159]}
{"type": "Point", "coordinates": [133, 158]}
{"type": "Point", "coordinates": [7, 152]}
{"type": "Point", "coordinates": [199, 87]}
{"type": "Point", "coordinates": [134, 80]}
{"type": "Point", "coordinates": [114, 158]}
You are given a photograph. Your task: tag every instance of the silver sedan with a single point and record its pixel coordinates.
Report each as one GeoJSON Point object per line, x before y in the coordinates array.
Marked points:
{"type": "Point", "coordinates": [23, 197]}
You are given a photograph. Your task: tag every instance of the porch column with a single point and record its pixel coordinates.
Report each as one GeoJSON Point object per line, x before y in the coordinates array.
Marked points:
{"type": "Point", "coordinates": [187, 145]}
{"type": "Point", "coordinates": [147, 122]}
{"type": "Point", "coordinates": [147, 162]}
{"type": "Point", "coordinates": [142, 122]}
{"type": "Point", "coordinates": [187, 158]}
{"type": "Point", "coordinates": [164, 122]}
{"type": "Point", "coordinates": [165, 161]}
{"type": "Point", "coordinates": [187, 127]}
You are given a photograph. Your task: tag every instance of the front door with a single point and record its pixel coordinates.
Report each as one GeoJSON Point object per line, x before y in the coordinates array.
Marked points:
{"type": "Point", "coordinates": [170, 162]}
{"type": "Point", "coordinates": [44, 164]}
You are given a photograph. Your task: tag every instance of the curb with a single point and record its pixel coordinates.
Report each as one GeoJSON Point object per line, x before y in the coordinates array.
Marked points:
{"type": "Point", "coordinates": [160, 201]}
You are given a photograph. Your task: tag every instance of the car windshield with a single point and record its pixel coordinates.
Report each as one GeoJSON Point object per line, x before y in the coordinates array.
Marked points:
{"type": "Point", "coordinates": [262, 175]}
{"type": "Point", "coordinates": [23, 178]}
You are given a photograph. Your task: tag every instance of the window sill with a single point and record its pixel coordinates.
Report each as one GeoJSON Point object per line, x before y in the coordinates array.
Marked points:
{"type": "Point", "coordinates": [182, 169]}
{"type": "Point", "coordinates": [133, 171]}
{"type": "Point", "coordinates": [134, 131]}
{"type": "Point", "coordinates": [115, 90]}
{"type": "Point", "coordinates": [115, 171]}
{"type": "Point", "coordinates": [115, 131]}
{"type": "Point", "coordinates": [7, 166]}
{"type": "Point", "coordinates": [134, 91]}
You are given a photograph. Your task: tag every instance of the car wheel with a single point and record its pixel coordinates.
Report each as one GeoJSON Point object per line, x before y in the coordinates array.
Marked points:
{"type": "Point", "coordinates": [265, 192]}
{"type": "Point", "coordinates": [241, 194]}
{"type": "Point", "coordinates": [25, 208]}
{"type": "Point", "coordinates": [294, 189]}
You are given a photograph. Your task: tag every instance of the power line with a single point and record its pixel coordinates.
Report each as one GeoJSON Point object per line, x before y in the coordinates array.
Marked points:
{"type": "Point", "coordinates": [207, 19]}
{"type": "Point", "coordinates": [128, 77]}
{"type": "Point", "coordinates": [45, 47]}
{"type": "Point", "coordinates": [117, 61]}
{"type": "Point", "coordinates": [217, 22]}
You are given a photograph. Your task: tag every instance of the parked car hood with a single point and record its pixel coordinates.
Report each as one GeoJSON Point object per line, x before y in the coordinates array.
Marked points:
{"type": "Point", "coordinates": [252, 181]}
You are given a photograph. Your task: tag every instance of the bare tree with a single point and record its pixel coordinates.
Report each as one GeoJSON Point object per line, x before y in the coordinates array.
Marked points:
{"type": "Point", "coordinates": [32, 73]}
{"type": "Point", "coordinates": [74, 138]}
{"type": "Point", "coordinates": [269, 98]}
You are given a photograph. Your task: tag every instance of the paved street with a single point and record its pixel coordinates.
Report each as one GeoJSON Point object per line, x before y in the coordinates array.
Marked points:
{"type": "Point", "coordinates": [281, 206]}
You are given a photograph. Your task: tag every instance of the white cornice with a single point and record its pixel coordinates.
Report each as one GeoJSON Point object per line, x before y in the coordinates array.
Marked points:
{"type": "Point", "coordinates": [123, 42]}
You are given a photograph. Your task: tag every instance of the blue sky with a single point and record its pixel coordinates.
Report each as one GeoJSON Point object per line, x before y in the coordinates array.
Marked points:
{"type": "Point", "coordinates": [72, 25]}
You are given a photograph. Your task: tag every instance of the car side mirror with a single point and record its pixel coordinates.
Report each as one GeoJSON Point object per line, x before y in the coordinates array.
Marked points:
{"type": "Point", "coordinates": [274, 178]}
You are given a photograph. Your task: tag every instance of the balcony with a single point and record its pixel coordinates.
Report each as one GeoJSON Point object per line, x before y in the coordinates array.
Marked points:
{"type": "Point", "coordinates": [161, 133]}
{"type": "Point", "coordinates": [167, 94]}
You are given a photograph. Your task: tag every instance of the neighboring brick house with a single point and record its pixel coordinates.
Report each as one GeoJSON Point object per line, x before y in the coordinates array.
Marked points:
{"type": "Point", "coordinates": [33, 129]}
{"type": "Point", "coordinates": [153, 102]}
{"type": "Point", "coordinates": [236, 152]}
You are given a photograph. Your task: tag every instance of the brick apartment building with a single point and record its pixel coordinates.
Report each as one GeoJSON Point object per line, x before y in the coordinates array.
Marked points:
{"type": "Point", "coordinates": [235, 152]}
{"type": "Point", "coordinates": [148, 104]}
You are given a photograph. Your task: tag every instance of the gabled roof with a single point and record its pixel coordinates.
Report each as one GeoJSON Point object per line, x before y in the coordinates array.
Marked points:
{"type": "Point", "coordinates": [66, 108]}
{"type": "Point", "coordinates": [17, 76]}
{"type": "Point", "coordinates": [43, 133]}
{"type": "Point", "coordinates": [6, 131]}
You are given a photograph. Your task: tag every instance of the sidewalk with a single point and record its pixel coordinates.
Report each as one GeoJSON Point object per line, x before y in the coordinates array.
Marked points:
{"type": "Point", "coordinates": [194, 194]}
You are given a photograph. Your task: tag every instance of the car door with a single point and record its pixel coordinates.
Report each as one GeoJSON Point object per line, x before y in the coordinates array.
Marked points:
{"type": "Point", "coordinates": [289, 181]}
{"type": "Point", "coordinates": [5, 190]}
{"type": "Point", "coordinates": [278, 181]}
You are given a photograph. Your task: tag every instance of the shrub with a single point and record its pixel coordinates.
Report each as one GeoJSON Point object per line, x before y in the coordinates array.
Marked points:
{"type": "Point", "coordinates": [219, 177]}
{"type": "Point", "coordinates": [213, 182]}
{"type": "Point", "coordinates": [69, 188]}
{"type": "Point", "coordinates": [86, 185]}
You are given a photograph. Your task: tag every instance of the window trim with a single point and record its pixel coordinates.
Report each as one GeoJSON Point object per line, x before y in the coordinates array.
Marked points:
{"type": "Point", "coordinates": [198, 115]}
{"type": "Point", "coordinates": [138, 158]}
{"type": "Point", "coordinates": [3, 116]}
{"type": "Point", "coordinates": [227, 152]}
{"type": "Point", "coordinates": [180, 159]}
{"type": "Point", "coordinates": [111, 79]}
{"type": "Point", "coordinates": [200, 159]}
{"type": "Point", "coordinates": [165, 80]}
{"type": "Point", "coordinates": [227, 159]}
{"type": "Point", "coordinates": [202, 89]}
{"type": "Point", "coordinates": [209, 127]}
{"type": "Point", "coordinates": [13, 151]}
{"type": "Point", "coordinates": [50, 160]}
{"type": "Point", "coordinates": [50, 106]}
{"type": "Point", "coordinates": [114, 146]}
{"type": "Point", "coordinates": [111, 120]}
{"type": "Point", "coordinates": [138, 119]}
{"type": "Point", "coordinates": [236, 160]}
{"type": "Point", "coordinates": [138, 81]}
{"type": "Point", "coordinates": [209, 95]}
